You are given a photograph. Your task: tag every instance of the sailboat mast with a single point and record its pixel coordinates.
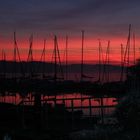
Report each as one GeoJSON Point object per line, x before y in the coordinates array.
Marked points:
{"type": "Point", "coordinates": [129, 36]}
{"type": "Point", "coordinates": [30, 56]}
{"type": "Point", "coordinates": [15, 55]}
{"type": "Point", "coordinates": [99, 60]}
{"type": "Point", "coordinates": [66, 57]}
{"type": "Point", "coordinates": [44, 51]}
{"type": "Point", "coordinates": [4, 62]}
{"type": "Point", "coordinates": [44, 56]}
{"type": "Point", "coordinates": [134, 48]}
{"type": "Point", "coordinates": [122, 63]}
{"type": "Point", "coordinates": [108, 57]}
{"type": "Point", "coordinates": [82, 55]}
{"type": "Point", "coordinates": [15, 47]}
{"type": "Point", "coordinates": [126, 53]}
{"type": "Point", "coordinates": [59, 60]}
{"type": "Point", "coordinates": [30, 53]}
{"type": "Point", "coordinates": [55, 58]}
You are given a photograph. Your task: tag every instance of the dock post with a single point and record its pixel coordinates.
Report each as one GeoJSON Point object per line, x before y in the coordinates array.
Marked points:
{"type": "Point", "coordinates": [102, 111]}
{"type": "Point", "coordinates": [72, 104]}
{"type": "Point", "coordinates": [90, 110]}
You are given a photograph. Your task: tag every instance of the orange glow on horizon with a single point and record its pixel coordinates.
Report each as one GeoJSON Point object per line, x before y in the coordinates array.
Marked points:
{"type": "Point", "coordinates": [74, 49]}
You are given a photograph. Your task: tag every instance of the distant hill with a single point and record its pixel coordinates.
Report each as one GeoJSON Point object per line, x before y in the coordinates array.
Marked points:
{"type": "Point", "coordinates": [39, 67]}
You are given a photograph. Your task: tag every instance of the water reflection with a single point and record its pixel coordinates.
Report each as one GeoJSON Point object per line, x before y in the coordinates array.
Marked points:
{"type": "Point", "coordinates": [90, 106]}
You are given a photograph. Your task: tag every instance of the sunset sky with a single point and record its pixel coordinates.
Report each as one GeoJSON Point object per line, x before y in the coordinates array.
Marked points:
{"type": "Point", "coordinates": [101, 19]}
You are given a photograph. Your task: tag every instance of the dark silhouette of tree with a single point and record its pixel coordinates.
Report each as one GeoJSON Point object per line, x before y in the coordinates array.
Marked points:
{"type": "Point", "coordinates": [128, 108]}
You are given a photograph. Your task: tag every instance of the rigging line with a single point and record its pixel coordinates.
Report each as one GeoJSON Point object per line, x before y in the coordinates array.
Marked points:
{"type": "Point", "coordinates": [59, 59]}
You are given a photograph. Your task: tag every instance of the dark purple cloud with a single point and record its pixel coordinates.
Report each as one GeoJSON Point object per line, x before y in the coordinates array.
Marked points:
{"type": "Point", "coordinates": [108, 17]}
